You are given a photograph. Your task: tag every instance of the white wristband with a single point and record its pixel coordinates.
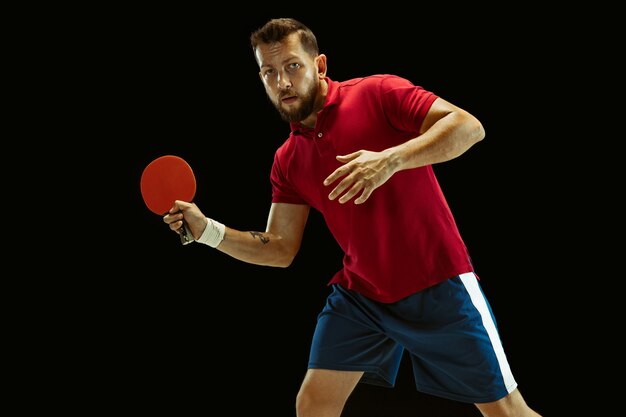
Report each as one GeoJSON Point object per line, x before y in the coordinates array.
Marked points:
{"type": "Point", "coordinates": [213, 233]}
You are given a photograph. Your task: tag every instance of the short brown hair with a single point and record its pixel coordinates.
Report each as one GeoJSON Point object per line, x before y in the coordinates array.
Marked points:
{"type": "Point", "coordinates": [275, 30]}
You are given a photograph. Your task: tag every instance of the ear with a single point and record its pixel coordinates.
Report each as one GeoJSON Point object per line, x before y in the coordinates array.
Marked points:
{"type": "Point", "coordinates": [321, 65]}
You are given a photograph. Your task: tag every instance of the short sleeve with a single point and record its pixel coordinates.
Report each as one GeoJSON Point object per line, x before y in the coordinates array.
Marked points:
{"type": "Point", "coordinates": [405, 104]}
{"type": "Point", "coordinates": [282, 191]}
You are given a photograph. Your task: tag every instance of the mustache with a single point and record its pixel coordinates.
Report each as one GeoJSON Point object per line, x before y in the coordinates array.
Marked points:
{"type": "Point", "coordinates": [286, 93]}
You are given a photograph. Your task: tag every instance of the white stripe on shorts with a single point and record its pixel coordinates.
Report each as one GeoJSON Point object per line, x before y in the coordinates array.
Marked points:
{"type": "Point", "coordinates": [471, 285]}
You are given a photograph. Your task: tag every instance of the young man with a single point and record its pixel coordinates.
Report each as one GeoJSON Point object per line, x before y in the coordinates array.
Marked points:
{"type": "Point", "coordinates": [361, 152]}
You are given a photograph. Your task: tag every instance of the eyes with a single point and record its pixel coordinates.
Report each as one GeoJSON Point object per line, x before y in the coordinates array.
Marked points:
{"type": "Point", "coordinates": [289, 69]}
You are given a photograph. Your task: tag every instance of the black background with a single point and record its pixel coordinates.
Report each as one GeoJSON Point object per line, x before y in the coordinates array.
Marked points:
{"type": "Point", "coordinates": [171, 327]}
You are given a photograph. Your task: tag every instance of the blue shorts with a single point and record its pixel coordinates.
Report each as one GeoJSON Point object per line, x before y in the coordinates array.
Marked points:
{"type": "Point", "coordinates": [448, 330]}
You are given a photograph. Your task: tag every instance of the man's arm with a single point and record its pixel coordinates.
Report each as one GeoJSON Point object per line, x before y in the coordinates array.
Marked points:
{"type": "Point", "coordinates": [277, 246]}
{"type": "Point", "coordinates": [446, 132]}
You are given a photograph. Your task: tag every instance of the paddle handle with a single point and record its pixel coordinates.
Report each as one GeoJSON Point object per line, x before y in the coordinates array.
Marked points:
{"type": "Point", "coordinates": [185, 235]}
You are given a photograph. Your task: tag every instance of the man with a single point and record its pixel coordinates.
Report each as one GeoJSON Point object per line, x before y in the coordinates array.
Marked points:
{"type": "Point", "coordinates": [361, 152]}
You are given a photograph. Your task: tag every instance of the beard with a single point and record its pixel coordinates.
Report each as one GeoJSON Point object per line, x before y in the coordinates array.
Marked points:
{"type": "Point", "coordinates": [307, 104]}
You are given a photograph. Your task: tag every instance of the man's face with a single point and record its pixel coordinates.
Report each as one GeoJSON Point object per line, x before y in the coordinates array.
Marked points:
{"type": "Point", "coordinates": [290, 77]}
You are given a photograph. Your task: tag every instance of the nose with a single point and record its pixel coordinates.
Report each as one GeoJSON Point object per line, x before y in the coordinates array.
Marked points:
{"type": "Point", "coordinates": [283, 82]}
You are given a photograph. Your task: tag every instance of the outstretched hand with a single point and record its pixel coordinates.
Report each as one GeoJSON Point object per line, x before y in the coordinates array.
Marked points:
{"type": "Point", "coordinates": [362, 172]}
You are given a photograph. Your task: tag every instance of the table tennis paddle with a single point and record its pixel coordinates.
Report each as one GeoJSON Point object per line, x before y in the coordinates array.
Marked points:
{"type": "Point", "coordinates": [164, 180]}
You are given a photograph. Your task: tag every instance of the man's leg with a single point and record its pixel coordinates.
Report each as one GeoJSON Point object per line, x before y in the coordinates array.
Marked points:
{"type": "Point", "coordinates": [324, 393]}
{"type": "Point", "coordinates": [513, 405]}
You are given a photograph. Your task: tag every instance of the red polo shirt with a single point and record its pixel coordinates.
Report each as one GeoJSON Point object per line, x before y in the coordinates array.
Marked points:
{"type": "Point", "coordinates": [404, 237]}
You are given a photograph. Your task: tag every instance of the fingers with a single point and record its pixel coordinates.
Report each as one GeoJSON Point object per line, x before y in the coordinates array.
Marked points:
{"type": "Point", "coordinates": [352, 181]}
{"type": "Point", "coordinates": [180, 206]}
{"type": "Point", "coordinates": [187, 215]}
{"type": "Point", "coordinates": [349, 183]}
{"type": "Point", "coordinates": [175, 216]}
{"type": "Point", "coordinates": [174, 220]}
{"type": "Point", "coordinates": [342, 170]}
{"type": "Point", "coordinates": [348, 157]}
{"type": "Point", "coordinates": [341, 189]}
{"type": "Point", "coordinates": [361, 173]}
{"type": "Point", "coordinates": [364, 196]}
{"type": "Point", "coordinates": [349, 187]}
{"type": "Point", "coordinates": [338, 173]}
{"type": "Point", "coordinates": [356, 188]}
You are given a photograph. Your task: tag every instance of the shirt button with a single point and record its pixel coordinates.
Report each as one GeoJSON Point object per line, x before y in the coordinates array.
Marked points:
{"type": "Point", "coordinates": [319, 134]}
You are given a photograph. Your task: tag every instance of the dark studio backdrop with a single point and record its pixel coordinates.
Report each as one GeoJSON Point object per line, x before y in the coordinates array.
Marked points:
{"type": "Point", "coordinates": [188, 327]}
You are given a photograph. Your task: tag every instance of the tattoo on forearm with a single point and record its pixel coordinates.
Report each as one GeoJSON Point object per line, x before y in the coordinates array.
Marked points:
{"type": "Point", "coordinates": [264, 239]}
